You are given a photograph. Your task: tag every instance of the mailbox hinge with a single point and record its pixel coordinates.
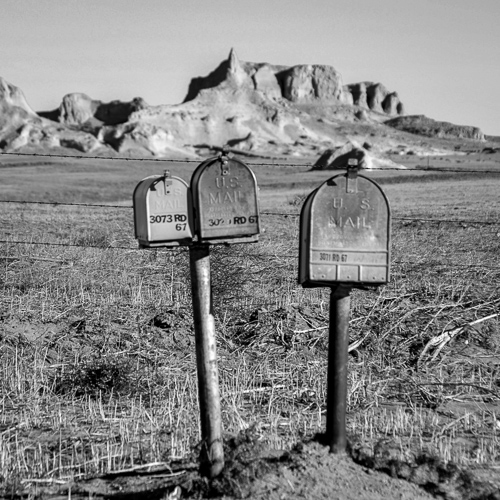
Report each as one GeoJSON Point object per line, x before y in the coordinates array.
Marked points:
{"type": "Point", "coordinates": [352, 175]}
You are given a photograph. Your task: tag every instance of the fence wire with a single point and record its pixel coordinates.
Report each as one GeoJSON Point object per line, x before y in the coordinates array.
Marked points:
{"type": "Point", "coordinates": [251, 255]}
{"type": "Point", "coordinates": [257, 164]}
{"type": "Point", "coordinates": [180, 250]}
{"type": "Point", "coordinates": [277, 214]}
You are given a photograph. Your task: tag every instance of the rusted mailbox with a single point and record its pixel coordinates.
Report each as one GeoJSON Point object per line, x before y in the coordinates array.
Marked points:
{"type": "Point", "coordinates": [225, 201]}
{"type": "Point", "coordinates": [345, 233]}
{"type": "Point", "coordinates": [162, 212]}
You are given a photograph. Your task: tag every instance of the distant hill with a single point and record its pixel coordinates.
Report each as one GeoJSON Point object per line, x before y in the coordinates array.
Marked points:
{"type": "Point", "coordinates": [254, 108]}
{"type": "Point", "coordinates": [421, 125]}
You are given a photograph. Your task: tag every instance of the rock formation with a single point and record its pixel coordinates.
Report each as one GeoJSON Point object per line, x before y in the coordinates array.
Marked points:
{"type": "Point", "coordinates": [312, 82]}
{"type": "Point", "coordinates": [12, 97]}
{"type": "Point", "coordinates": [337, 158]}
{"type": "Point", "coordinates": [255, 108]}
{"type": "Point", "coordinates": [421, 125]}
{"type": "Point", "coordinates": [78, 109]}
{"type": "Point", "coordinates": [265, 81]}
{"type": "Point", "coordinates": [298, 84]}
{"type": "Point", "coordinates": [375, 97]}
{"type": "Point", "coordinates": [15, 113]}
{"type": "Point", "coordinates": [21, 127]}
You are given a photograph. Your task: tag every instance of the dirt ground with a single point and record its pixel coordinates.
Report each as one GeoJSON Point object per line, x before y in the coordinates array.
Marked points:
{"type": "Point", "coordinates": [308, 471]}
{"type": "Point", "coordinates": [253, 471]}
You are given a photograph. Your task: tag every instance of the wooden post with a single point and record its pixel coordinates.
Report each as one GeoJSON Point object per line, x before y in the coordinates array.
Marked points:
{"type": "Point", "coordinates": [212, 452]}
{"type": "Point", "coordinates": [340, 302]}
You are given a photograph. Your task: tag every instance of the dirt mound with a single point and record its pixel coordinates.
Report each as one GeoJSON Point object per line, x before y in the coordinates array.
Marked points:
{"type": "Point", "coordinates": [308, 471]}
{"type": "Point", "coordinates": [421, 125]}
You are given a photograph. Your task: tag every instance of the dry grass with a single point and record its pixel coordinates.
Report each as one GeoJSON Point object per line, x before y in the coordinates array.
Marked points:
{"type": "Point", "coordinates": [97, 348]}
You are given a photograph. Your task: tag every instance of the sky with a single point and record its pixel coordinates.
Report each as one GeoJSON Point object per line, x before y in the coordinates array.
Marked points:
{"type": "Point", "coordinates": [441, 56]}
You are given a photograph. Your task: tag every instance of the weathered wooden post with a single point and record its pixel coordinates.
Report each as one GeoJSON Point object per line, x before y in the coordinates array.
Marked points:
{"type": "Point", "coordinates": [220, 207]}
{"type": "Point", "coordinates": [344, 244]}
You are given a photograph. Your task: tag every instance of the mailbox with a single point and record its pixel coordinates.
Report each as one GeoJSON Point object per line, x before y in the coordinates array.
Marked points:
{"type": "Point", "coordinates": [345, 233]}
{"type": "Point", "coordinates": [162, 212]}
{"type": "Point", "coordinates": [225, 201]}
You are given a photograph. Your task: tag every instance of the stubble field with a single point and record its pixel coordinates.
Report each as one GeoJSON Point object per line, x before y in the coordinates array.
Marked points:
{"type": "Point", "coordinates": [97, 361]}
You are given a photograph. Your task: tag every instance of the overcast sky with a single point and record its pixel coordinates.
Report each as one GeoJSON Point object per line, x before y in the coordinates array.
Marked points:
{"type": "Point", "coordinates": [441, 56]}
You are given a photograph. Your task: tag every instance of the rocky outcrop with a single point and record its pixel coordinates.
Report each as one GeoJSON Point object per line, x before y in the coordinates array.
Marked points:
{"type": "Point", "coordinates": [254, 108]}
{"type": "Point", "coordinates": [375, 97]}
{"type": "Point", "coordinates": [12, 99]}
{"type": "Point", "coordinates": [421, 125]}
{"type": "Point", "coordinates": [265, 81]}
{"type": "Point", "coordinates": [298, 84]}
{"type": "Point", "coordinates": [229, 73]}
{"type": "Point", "coordinates": [16, 116]}
{"type": "Point", "coordinates": [40, 134]}
{"type": "Point", "coordinates": [338, 158]}
{"type": "Point", "coordinates": [312, 82]}
{"type": "Point", "coordinates": [21, 127]}
{"type": "Point", "coordinates": [141, 139]}
{"type": "Point", "coordinates": [77, 109]}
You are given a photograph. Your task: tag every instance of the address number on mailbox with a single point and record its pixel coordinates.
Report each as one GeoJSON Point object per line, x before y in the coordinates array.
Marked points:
{"type": "Point", "coordinates": [162, 212]}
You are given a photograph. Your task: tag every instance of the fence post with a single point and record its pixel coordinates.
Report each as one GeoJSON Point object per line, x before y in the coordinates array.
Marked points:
{"type": "Point", "coordinates": [212, 452]}
{"type": "Point", "coordinates": [340, 302]}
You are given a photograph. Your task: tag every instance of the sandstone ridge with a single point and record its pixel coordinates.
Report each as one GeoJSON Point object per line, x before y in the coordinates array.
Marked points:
{"type": "Point", "coordinates": [79, 108]}
{"type": "Point", "coordinates": [21, 129]}
{"type": "Point", "coordinates": [256, 108]}
{"type": "Point", "coordinates": [298, 84]}
{"type": "Point", "coordinates": [421, 125]}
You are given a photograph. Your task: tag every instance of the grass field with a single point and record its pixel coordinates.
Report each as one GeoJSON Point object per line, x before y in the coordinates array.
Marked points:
{"type": "Point", "coordinates": [97, 352]}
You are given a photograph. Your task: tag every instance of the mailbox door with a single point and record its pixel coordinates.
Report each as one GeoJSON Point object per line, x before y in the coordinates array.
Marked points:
{"type": "Point", "coordinates": [304, 238]}
{"type": "Point", "coordinates": [225, 200]}
{"type": "Point", "coordinates": [162, 206]}
{"type": "Point", "coordinates": [141, 225]}
{"type": "Point", "coordinates": [349, 233]}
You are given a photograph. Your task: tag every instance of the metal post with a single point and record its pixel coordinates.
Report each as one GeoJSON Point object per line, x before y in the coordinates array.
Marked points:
{"type": "Point", "coordinates": [212, 453]}
{"type": "Point", "coordinates": [340, 302]}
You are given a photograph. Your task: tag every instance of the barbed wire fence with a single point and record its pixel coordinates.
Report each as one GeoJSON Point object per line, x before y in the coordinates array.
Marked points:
{"type": "Point", "coordinates": [275, 163]}
{"type": "Point", "coordinates": [293, 215]}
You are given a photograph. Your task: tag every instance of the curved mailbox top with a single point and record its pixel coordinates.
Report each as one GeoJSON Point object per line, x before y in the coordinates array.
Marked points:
{"type": "Point", "coordinates": [162, 212]}
{"type": "Point", "coordinates": [345, 233]}
{"type": "Point", "coordinates": [225, 201]}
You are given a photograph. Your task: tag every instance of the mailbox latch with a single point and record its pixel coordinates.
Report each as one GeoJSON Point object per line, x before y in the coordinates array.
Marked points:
{"type": "Point", "coordinates": [352, 175]}
{"type": "Point", "coordinates": [167, 181]}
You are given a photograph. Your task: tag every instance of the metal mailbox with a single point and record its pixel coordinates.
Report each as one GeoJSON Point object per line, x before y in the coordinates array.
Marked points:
{"type": "Point", "coordinates": [162, 212]}
{"type": "Point", "coordinates": [345, 233]}
{"type": "Point", "coordinates": [225, 201]}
